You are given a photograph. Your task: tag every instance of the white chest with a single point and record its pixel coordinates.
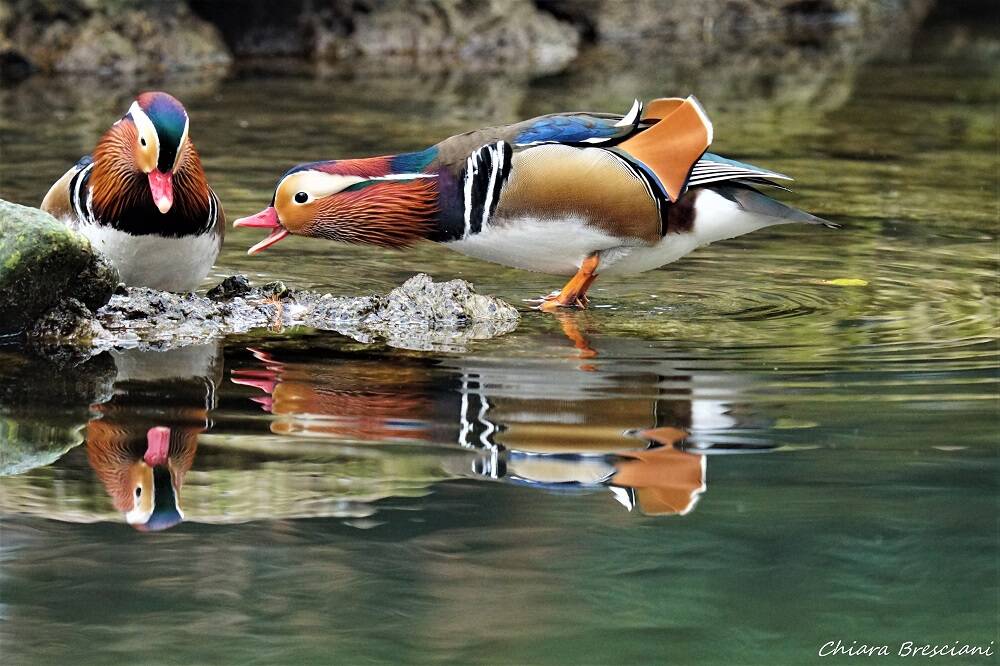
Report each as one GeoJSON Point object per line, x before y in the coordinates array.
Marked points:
{"type": "Point", "coordinates": [170, 264]}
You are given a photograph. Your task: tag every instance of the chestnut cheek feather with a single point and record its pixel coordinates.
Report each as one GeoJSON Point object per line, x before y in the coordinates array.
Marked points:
{"type": "Point", "coordinates": [390, 214]}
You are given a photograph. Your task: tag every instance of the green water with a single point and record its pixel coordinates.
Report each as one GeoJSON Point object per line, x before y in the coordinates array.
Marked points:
{"type": "Point", "coordinates": [350, 503]}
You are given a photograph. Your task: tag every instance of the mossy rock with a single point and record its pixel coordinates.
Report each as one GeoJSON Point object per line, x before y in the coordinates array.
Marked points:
{"type": "Point", "coordinates": [43, 262]}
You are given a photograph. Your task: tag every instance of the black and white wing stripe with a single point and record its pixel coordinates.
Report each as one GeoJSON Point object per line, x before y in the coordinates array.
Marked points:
{"type": "Point", "coordinates": [707, 170]}
{"type": "Point", "coordinates": [486, 172]}
{"type": "Point", "coordinates": [215, 214]}
{"type": "Point", "coordinates": [80, 196]}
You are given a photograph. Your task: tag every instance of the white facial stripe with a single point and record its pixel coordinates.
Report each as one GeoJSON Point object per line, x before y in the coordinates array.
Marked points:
{"type": "Point", "coordinates": [146, 129]}
{"type": "Point", "coordinates": [318, 184]}
{"type": "Point", "coordinates": [403, 176]}
{"type": "Point", "coordinates": [180, 145]}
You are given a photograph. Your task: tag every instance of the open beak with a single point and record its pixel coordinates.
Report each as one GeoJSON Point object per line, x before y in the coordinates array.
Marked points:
{"type": "Point", "coordinates": [265, 219]}
{"type": "Point", "coordinates": [161, 186]}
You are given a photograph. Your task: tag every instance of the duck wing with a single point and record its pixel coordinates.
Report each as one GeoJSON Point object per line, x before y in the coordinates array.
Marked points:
{"type": "Point", "coordinates": [58, 201]}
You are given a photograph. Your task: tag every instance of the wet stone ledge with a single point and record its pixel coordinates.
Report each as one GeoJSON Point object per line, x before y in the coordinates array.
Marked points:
{"type": "Point", "coordinates": [420, 314]}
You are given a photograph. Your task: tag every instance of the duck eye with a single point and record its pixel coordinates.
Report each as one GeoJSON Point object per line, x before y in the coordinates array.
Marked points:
{"type": "Point", "coordinates": [138, 492]}
{"type": "Point", "coordinates": [301, 197]}
{"type": "Point", "coordinates": [142, 141]}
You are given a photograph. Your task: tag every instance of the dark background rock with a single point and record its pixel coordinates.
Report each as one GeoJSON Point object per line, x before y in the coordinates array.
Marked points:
{"type": "Point", "coordinates": [485, 30]}
{"type": "Point", "coordinates": [136, 37]}
{"type": "Point", "coordinates": [43, 262]}
{"type": "Point", "coordinates": [107, 36]}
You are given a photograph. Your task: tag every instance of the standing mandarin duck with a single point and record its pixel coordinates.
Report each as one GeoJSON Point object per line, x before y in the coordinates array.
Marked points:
{"type": "Point", "coordinates": [575, 194]}
{"type": "Point", "coordinates": [142, 198]}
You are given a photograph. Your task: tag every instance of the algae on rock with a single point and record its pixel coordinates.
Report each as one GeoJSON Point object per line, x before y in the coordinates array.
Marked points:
{"type": "Point", "coordinates": [42, 263]}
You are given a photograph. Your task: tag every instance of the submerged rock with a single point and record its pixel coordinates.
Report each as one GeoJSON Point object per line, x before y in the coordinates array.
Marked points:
{"type": "Point", "coordinates": [421, 314]}
{"type": "Point", "coordinates": [43, 263]}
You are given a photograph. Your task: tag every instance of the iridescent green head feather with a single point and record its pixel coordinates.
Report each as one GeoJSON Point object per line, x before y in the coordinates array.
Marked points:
{"type": "Point", "coordinates": [171, 123]}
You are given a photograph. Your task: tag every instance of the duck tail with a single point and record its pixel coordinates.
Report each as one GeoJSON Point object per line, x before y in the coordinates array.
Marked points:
{"type": "Point", "coordinates": [754, 201]}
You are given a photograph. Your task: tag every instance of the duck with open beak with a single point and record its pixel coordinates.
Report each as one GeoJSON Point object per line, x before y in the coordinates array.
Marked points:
{"type": "Point", "coordinates": [575, 194]}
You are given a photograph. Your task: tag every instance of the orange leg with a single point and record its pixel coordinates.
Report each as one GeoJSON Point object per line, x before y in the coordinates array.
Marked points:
{"type": "Point", "coordinates": [574, 294]}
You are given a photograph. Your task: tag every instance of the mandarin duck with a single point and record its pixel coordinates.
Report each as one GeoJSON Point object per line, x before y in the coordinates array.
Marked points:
{"type": "Point", "coordinates": [576, 194]}
{"type": "Point", "coordinates": [143, 200]}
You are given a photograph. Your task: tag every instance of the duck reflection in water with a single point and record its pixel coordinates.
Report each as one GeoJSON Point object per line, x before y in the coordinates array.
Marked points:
{"type": "Point", "coordinates": [664, 479]}
{"type": "Point", "coordinates": [144, 439]}
{"type": "Point", "coordinates": [642, 431]}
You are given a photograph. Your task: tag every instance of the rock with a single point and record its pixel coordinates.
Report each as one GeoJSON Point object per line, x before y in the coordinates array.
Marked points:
{"type": "Point", "coordinates": [43, 262]}
{"type": "Point", "coordinates": [488, 33]}
{"type": "Point", "coordinates": [234, 285]}
{"type": "Point", "coordinates": [68, 320]}
{"type": "Point", "coordinates": [109, 36]}
{"type": "Point", "coordinates": [420, 314]}
{"type": "Point", "coordinates": [681, 25]}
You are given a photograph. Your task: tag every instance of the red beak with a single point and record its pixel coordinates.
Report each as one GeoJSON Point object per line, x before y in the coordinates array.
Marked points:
{"type": "Point", "coordinates": [161, 186]}
{"type": "Point", "coordinates": [157, 446]}
{"type": "Point", "coordinates": [265, 219]}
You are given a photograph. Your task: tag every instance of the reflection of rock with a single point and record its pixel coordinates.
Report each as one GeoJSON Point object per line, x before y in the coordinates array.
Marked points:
{"type": "Point", "coordinates": [421, 314]}
{"type": "Point", "coordinates": [43, 262]}
{"type": "Point", "coordinates": [109, 36]}
{"type": "Point", "coordinates": [43, 406]}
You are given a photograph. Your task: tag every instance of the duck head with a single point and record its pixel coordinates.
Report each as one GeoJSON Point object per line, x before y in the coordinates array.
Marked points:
{"type": "Point", "coordinates": [155, 500]}
{"type": "Point", "coordinates": [161, 130]}
{"type": "Point", "coordinates": [385, 201]}
{"type": "Point", "coordinates": [149, 143]}
{"type": "Point", "coordinates": [143, 477]}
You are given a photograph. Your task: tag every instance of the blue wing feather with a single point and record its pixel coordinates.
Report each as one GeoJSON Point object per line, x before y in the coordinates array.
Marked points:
{"type": "Point", "coordinates": [579, 128]}
{"type": "Point", "coordinates": [568, 129]}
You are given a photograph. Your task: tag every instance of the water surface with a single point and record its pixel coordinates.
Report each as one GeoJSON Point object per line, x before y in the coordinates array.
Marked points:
{"type": "Point", "coordinates": [823, 460]}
